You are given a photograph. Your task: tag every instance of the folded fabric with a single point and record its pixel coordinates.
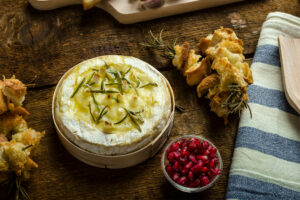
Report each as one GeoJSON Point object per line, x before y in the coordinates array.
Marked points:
{"type": "Point", "coordinates": [266, 159]}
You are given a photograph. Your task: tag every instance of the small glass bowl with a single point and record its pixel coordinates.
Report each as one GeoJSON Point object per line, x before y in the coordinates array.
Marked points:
{"type": "Point", "coordinates": [164, 163]}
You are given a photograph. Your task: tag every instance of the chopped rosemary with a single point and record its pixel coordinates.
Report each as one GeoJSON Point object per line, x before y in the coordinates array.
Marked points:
{"type": "Point", "coordinates": [123, 119]}
{"type": "Point", "coordinates": [119, 80]}
{"type": "Point", "coordinates": [102, 113]}
{"type": "Point", "coordinates": [90, 110]}
{"type": "Point", "coordinates": [95, 102]}
{"type": "Point", "coordinates": [149, 84]}
{"type": "Point", "coordinates": [102, 86]}
{"type": "Point", "coordinates": [113, 84]}
{"type": "Point", "coordinates": [127, 71]}
{"type": "Point", "coordinates": [104, 91]}
{"type": "Point", "coordinates": [90, 78]}
{"type": "Point", "coordinates": [78, 87]}
{"type": "Point", "coordinates": [133, 119]}
{"type": "Point", "coordinates": [95, 70]}
{"type": "Point", "coordinates": [116, 99]}
{"type": "Point", "coordinates": [134, 122]}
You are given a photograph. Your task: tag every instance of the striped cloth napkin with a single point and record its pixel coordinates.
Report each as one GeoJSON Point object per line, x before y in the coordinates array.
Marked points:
{"type": "Point", "coordinates": [266, 160]}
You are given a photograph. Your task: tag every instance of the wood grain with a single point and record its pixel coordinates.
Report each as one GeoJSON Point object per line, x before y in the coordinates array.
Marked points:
{"type": "Point", "coordinates": [45, 44]}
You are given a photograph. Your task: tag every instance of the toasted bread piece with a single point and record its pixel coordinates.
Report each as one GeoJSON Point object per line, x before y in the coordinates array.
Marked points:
{"type": "Point", "coordinates": [3, 104]}
{"type": "Point", "coordinates": [14, 90]}
{"type": "Point", "coordinates": [196, 73]}
{"type": "Point", "coordinates": [207, 83]}
{"type": "Point", "coordinates": [87, 4]}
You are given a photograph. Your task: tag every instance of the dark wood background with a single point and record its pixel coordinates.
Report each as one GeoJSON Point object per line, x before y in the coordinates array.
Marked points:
{"type": "Point", "coordinates": [41, 46]}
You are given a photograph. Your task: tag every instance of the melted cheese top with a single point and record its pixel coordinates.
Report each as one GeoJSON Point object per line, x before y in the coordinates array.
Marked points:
{"type": "Point", "coordinates": [113, 104]}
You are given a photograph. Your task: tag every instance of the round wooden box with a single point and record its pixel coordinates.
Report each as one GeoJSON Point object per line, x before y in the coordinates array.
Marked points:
{"type": "Point", "coordinates": [114, 161]}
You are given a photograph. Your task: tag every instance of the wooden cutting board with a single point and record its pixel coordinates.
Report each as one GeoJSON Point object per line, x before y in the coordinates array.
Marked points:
{"type": "Point", "coordinates": [128, 12]}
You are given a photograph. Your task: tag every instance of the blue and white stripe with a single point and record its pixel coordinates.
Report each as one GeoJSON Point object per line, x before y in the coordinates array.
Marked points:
{"type": "Point", "coordinates": [266, 160]}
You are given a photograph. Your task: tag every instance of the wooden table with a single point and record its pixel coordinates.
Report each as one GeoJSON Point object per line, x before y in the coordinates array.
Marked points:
{"type": "Point", "coordinates": [41, 46]}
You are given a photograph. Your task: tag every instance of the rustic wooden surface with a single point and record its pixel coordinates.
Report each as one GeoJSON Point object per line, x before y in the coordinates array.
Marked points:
{"type": "Point", "coordinates": [41, 46]}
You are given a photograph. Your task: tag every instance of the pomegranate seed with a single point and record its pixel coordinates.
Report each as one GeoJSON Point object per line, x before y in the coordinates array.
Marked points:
{"type": "Point", "coordinates": [200, 163]}
{"type": "Point", "coordinates": [176, 166]}
{"type": "Point", "coordinates": [182, 180]}
{"type": "Point", "coordinates": [175, 146]}
{"type": "Point", "coordinates": [185, 153]}
{"type": "Point", "coordinates": [213, 152]}
{"type": "Point", "coordinates": [169, 169]}
{"type": "Point", "coordinates": [204, 180]}
{"type": "Point", "coordinates": [176, 176]}
{"type": "Point", "coordinates": [191, 176]}
{"type": "Point", "coordinates": [189, 165]}
{"type": "Point", "coordinates": [196, 183]}
{"type": "Point", "coordinates": [183, 160]}
{"type": "Point", "coordinates": [177, 154]}
{"type": "Point", "coordinates": [192, 158]}
{"type": "Point", "coordinates": [192, 146]}
{"type": "Point", "coordinates": [171, 156]}
{"type": "Point", "coordinates": [216, 171]}
{"type": "Point", "coordinates": [212, 163]}
{"type": "Point", "coordinates": [210, 175]}
{"type": "Point", "coordinates": [185, 171]}
{"type": "Point", "coordinates": [201, 157]}
{"type": "Point", "coordinates": [206, 152]}
{"type": "Point", "coordinates": [184, 144]}
{"type": "Point", "coordinates": [204, 169]}
{"type": "Point", "coordinates": [205, 144]}
{"type": "Point", "coordinates": [196, 168]}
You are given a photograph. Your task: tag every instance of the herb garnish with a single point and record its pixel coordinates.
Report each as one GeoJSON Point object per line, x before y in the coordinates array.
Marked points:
{"type": "Point", "coordinates": [104, 91]}
{"type": "Point", "coordinates": [95, 102]}
{"type": "Point", "coordinates": [78, 87]}
{"type": "Point", "coordinates": [90, 78]}
{"type": "Point", "coordinates": [149, 84]}
{"type": "Point", "coordinates": [119, 122]}
{"type": "Point", "coordinates": [90, 110]}
{"type": "Point", "coordinates": [103, 112]}
{"type": "Point", "coordinates": [133, 117]}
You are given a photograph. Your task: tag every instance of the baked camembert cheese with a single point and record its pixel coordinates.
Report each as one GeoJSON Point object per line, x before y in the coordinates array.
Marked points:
{"type": "Point", "coordinates": [113, 105]}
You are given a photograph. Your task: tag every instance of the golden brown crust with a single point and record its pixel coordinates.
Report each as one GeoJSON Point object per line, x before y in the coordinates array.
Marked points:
{"type": "Point", "coordinates": [87, 4]}
{"type": "Point", "coordinates": [207, 83]}
{"type": "Point", "coordinates": [14, 90]}
{"type": "Point", "coordinates": [195, 74]}
{"type": "Point", "coordinates": [3, 104]}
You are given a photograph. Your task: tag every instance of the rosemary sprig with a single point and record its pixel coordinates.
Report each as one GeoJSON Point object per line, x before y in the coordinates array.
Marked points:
{"type": "Point", "coordinates": [119, 80]}
{"type": "Point", "coordinates": [149, 84]}
{"type": "Point", "coordinates": [77, 88]}
{"type": "Point", "coordinates": [102, 86]}
{"type": "Point", "coordinates": [235, 102]}
{"type": "Point", "coordinates": [90, 110]}
{"type": "Point", "coordinates": [157, 43]}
